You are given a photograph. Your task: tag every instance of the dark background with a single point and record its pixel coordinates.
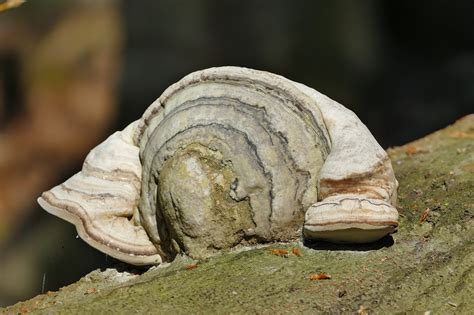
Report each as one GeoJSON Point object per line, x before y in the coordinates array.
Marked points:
{"type": "Point", "coordinates": [406, 68]}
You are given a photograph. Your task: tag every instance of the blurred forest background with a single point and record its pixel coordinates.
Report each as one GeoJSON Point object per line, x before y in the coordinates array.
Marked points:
{"type": "Point", "coordinates": [73, 71]}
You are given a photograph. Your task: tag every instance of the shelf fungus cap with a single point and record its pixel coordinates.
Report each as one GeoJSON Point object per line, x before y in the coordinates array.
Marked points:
{"type": "Point", "coordinates": [350, 219]}
{"type": "Point", "coordinates": [230, 156]}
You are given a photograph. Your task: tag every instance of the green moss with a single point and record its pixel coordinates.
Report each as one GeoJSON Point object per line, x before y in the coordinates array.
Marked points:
{"type": "Point", "coordinates": [429, 267]}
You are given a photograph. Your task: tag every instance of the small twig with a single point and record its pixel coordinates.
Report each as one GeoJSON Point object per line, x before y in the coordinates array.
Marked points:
{"type": "Point", "coordinates": [44, 282]}
{"type": "Point", "coordinates": [424, 216]}
{"type": "Point", "coordinates": [10, 4]}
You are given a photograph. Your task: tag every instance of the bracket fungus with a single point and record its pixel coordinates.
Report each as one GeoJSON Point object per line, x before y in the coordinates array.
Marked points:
{"type": "Point", "coordinates": [230, 156]}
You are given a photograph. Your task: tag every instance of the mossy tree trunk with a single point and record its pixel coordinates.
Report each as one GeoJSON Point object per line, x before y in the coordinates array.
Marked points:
{"type": "Point", "coordinates": [427, 267]}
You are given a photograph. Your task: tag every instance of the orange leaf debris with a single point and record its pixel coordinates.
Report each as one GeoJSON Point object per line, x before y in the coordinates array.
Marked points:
{"type": "Point", "coordinates": [319, 276]}
{"type": "Point", "coordinates": [424, 216]}
{"type": "Point", "coordinates": [280, 252]}
{"type": "Point", "coordinates": [296, 251]}
{"type": "Point", "coordinates": [191, 266]}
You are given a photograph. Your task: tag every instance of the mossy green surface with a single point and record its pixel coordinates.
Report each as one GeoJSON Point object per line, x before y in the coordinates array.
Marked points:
{"type": "Point", "coordinates": [429, 267]}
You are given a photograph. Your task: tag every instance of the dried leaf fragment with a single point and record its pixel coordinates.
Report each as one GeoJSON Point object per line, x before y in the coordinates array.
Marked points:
{"type": "Point", "coordinates": [362, 310]}
{"type": "Point", "coordinates": [191, 266]}
{"type": "Point", "coordinates": [24, 310]}
{"type": "Point", "coordinates": [412, 150]}
{"type": "Point", "coordinates": [296, 251]}
{"type": "Point", "coordinates": [280, 252]}
{"type": "Point", "coordinates": [10, 4]}
{"type": "Point", "coordinates": [319, 276]}
{"type": "Point", "coordinates": [459, 135]}
{"type": "Point", "coordinates": [424, 216]}
{"type": "Point", "coordinates": [91, 291]}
